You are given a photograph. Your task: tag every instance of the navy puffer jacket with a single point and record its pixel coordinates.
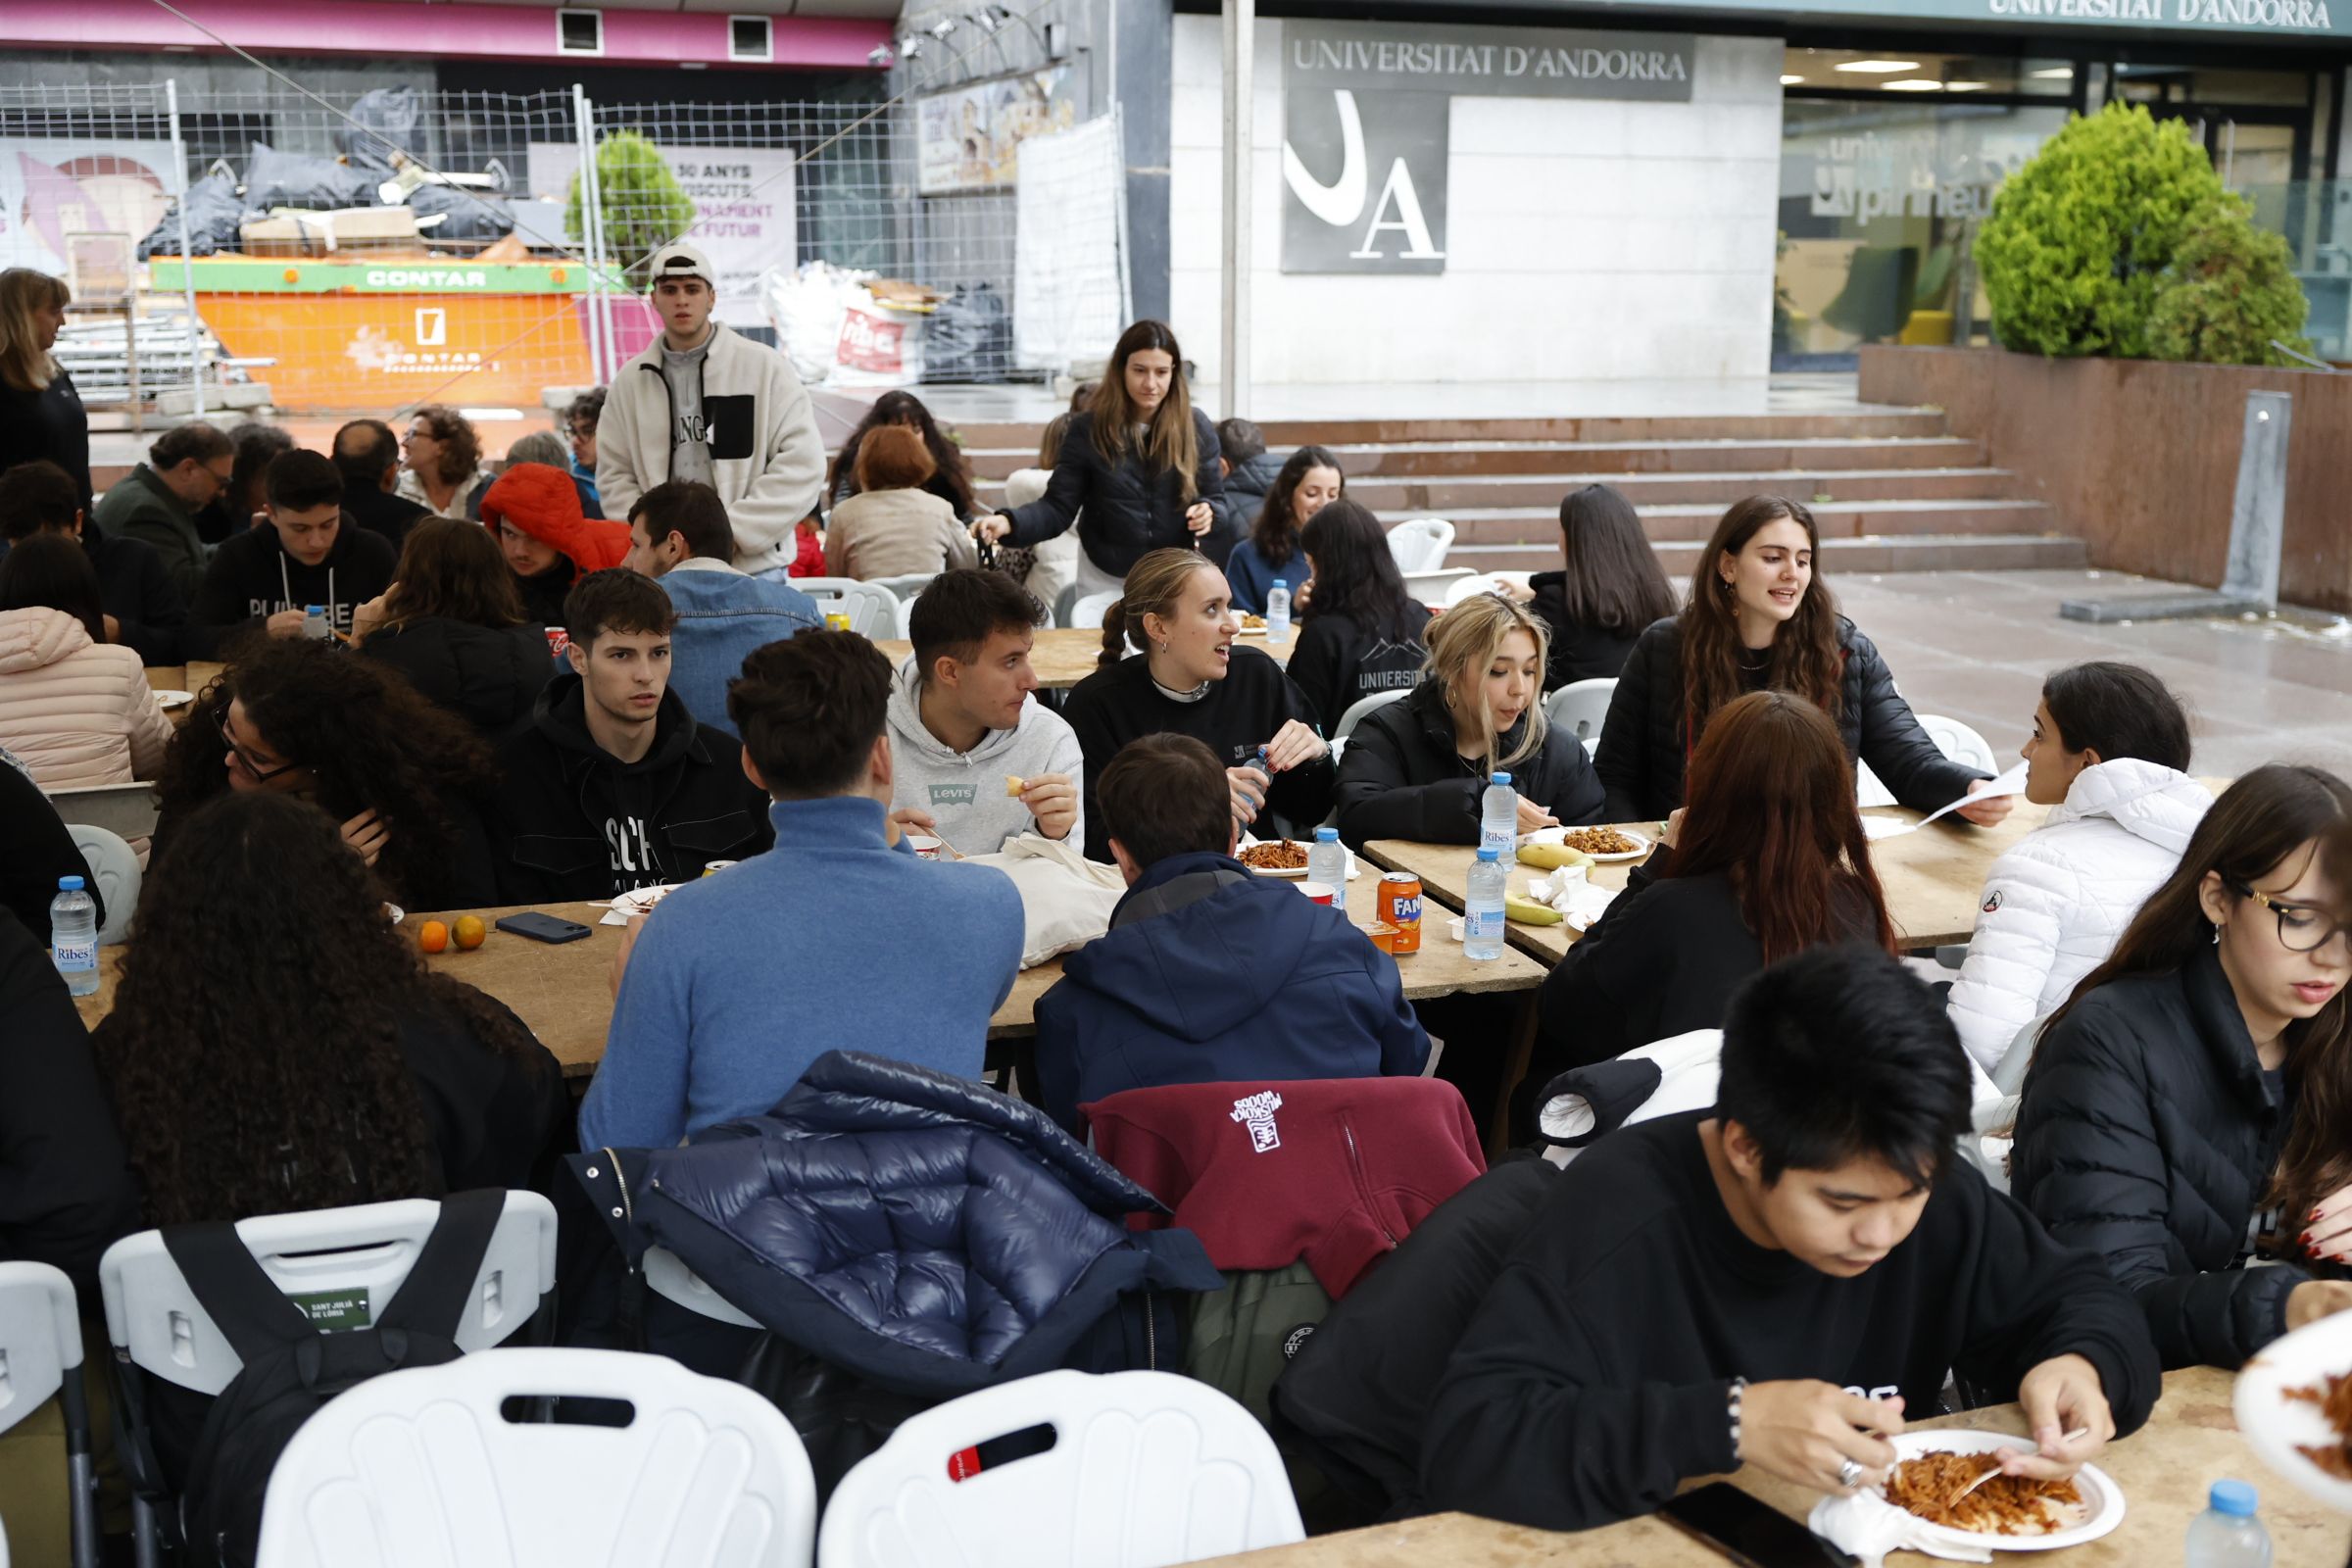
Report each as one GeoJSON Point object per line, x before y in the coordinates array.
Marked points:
{"type": "Point", "coordinates": [922, 1231]}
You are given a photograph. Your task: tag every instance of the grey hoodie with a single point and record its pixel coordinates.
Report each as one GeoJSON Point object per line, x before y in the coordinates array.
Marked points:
{"type": "Point", "coordinates": [964, 791]}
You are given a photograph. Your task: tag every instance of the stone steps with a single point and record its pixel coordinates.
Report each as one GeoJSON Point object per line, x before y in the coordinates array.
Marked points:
{"type": "Point", "coordinates": [1741, 453]}
{"type": "Point", "coordinates": [1839, 556]}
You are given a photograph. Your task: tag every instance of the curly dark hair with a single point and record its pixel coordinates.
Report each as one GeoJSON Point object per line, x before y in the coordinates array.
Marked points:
{"type": "Point", "coordinates": [368, 740]}
{"type": "Point", "coordinates": [952, 474]}
{"type": "Point", "coordinates": [460, 447]}
{"type": "Point", "coordinates": [253, 1052]}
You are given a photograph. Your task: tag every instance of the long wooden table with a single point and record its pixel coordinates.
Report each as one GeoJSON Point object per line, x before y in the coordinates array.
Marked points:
{"type": "Point", "coordinates": [2164, 1470]}
{"type": "Point", "coordinates": [1065, 655]}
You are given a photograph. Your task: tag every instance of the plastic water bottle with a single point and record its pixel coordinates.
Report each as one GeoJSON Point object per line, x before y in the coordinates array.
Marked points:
{"type": "Point", "coordinates": [314, 621]}
{"type": "Point", "coordinates": [1278, 612]}
{"type": "Point", "coordinates": [2227, 1535]}
{"type": "Point", "coordinates": [1481, 915]}
{"type": "Point", "coordinates": [1327, 864]}
{"type": "Point", "coordinates": [74, 936]}
{"type": "Point", "coordinates": [1498, 817]}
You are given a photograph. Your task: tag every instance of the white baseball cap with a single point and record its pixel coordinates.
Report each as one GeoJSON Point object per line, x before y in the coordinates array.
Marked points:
{"type": "Point", "coordinates": [680, 260]}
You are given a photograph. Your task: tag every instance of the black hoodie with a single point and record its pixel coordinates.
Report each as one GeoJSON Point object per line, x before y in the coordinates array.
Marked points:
{"type": "Point", "coordinates": [135, 588]}
{"type": "Point", "coordinates": [1339, 664]}
{"type": "Point", "coordinates": [1578, 651]}
{"type": "Point", "coordinates": [252, 578]}
{"type": "Point", "coordinates": [572, 822]}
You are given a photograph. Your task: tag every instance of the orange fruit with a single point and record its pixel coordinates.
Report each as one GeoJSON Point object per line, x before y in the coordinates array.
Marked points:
{"type": "Point", "coordinates": [471, 931]}
{"type": "Point", "coordinates": [434, 937]}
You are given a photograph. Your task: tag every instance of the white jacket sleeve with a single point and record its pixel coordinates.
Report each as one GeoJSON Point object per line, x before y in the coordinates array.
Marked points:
{"type": "Point", "coordinates": [2012, 952]}
{"type": "Point", "coordinates": [793, 480]}
{"type": "Point", "coordinates": [618, 484]}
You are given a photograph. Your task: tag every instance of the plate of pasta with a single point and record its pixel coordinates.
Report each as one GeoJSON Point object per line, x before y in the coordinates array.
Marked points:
{"type": "Point", "coordinates": [2010, 1513]}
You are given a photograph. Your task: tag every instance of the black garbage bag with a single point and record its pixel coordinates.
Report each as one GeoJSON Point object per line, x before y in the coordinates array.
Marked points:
{"type": "Point", "coordinates": [970, 337]}
{"type": "Point", "coordinates": [297, 179]}
{"type": "Point", "coordinates": [472, 215]}
{"type": "Point", "coordinates": [388, 112]}
{"type": "Point", "coordinates": [213, 211]}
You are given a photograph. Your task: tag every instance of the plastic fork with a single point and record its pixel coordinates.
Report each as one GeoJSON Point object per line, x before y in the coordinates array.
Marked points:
{"type": "Point", "coordinates": [2074, 1436]}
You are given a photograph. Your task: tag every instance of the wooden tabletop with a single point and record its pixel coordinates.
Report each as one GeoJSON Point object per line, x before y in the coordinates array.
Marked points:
{"type": "Point", "coordinates": [564, 992]}
{"type": "Point", "coordinates": [2164, 1471]}
{"type": "Point", "coordinates": [1065, 655]}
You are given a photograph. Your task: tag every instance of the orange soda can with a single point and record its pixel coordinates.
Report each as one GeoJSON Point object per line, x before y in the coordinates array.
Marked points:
{"type": "Point", "coordinates": [1399, 909]}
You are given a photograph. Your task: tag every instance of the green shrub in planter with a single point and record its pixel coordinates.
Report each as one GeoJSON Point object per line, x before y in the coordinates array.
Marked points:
{"type": "Point", "coordinates": [644, 207]}
{"type": "Point", "coordinates": [2080, 238]}
{"type": "Point", "coordinates": [2233, 290]}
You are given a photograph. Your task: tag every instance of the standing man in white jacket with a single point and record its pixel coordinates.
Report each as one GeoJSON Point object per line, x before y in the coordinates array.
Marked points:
{"type": "Point", "coordinates": [702, 403]}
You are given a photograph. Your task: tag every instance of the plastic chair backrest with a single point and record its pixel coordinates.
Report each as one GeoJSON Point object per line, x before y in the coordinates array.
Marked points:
{"type": "Point", "coordinates": [1364, 707]}
{"type": "Point", "coordinates": [907, 586]}
{"type": "Point", "coordinates": [153, 1316]}
{"type": "Point", "coordinates": [1581, 707]}
{"type": "Point", "coordinates": [1065, 605]}
{"type": "Point", "coordinates": [1420, 544]}
{"type": "Point", "coordinates": [1959, 742]}
{"type": "Point", "coordinates": [1477, 582]}
{"type": "Point", "coordinates": [872, 608]}
{"type": "Point", "coordinates": [125, 808]}
{"type": "Point", "coordinates": [672, 1280]}
{"type": "Point", "coordinates": [1147, 1468]}
{"type": "Point", "coordinates": [40, 1338]}
{"type": "Point", "coordinates": [424, 1466]}
{"type": "Point", "coordinates": [115, 870]}
{"type": "Point", "coordinates": [1086, 614]}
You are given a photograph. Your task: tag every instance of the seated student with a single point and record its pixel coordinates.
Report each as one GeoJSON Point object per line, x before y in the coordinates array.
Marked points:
{"type": "Point", "coordinates": [404, 778]}
{"type": "Point", "coordinates": [1767, 860]}
{"type": "Point", "coordinates": [452, 624]}
{"type": "Point", "coordinates": [678, 533]}
{"type": "Point", "coordinates": [1308, 481]}
{"type": "Point", "coordinates": [1759, 617]}
{"type": "Point", "coordinates": [950, 470]}
{"type": "Point", "coordinates": [550, 544]}
{"type": "Point", "coordinates": [2184, 1113]}
{"type": "Point", "coordinates": [262, 580]}
{"type": "Point", "coordinates": [612, 784]}
{"type": "Point", "coordinates": [1191, 679]}
{"type": "Point", "coordinates": [547, 449]}
{"type": "Point", "coordinates": [1779, 1281]}
{"type": "Point", "coordinates": [963, 731]}
{"type": "Point", "coordinates": [1250, 469]}
{"type": "Point", "coordinates": [256, 443]}
{"type": "Point", "coordinates": [580, 416]}
{"type": "Point", "coordinates": [187, 467]}
{"type": "Point", "coordinates": [366, 453]}
{"type": "Point", "coordinates": [1362, 632]}
{"type": "Point", "coordinates": [143, 610]}
{"type": "Point", "coordinates": [1209, 974]}
{"type": "Point", "coordinates": [441, 461]}
{"type": "Point", "coordinates": [76, 710]}
{"type": "Point", "coordinates": [710, 1021]}
{"type": "Point", "coordinates": [894, 527]}
{"type": "Point", "coordinates": [1417, 769]}
{"type": "Point", "coordinates": [1610, 590]}
{"type": "Point", "coordinates": [35, 850]}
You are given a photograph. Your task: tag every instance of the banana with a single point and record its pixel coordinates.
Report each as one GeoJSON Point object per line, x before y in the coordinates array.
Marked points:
{"type": "Point", "coordinates": [1529, 912]}
{"type": "Point", "coordinates": [1551, 856]}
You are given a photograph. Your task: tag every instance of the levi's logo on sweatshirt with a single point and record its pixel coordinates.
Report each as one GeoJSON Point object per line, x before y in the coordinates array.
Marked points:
{"type": "Point", "coordinates": [954, 795]}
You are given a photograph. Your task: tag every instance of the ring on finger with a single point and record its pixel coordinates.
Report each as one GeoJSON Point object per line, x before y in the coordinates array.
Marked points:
{"type": "Point", "coordinates": [1849, 1474]}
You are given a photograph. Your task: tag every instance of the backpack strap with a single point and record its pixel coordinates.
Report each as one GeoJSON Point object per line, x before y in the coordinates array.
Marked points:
{"type": "Point", "coordinates": [230, 1283]}
{"type": "Point", "coordinates": [435, 1296]}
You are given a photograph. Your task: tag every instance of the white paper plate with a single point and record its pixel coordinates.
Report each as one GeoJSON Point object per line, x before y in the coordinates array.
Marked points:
{"type": "Point", "coordinates": [1559, 834]}
{"type": "Point", "coordinates": [2102, 1496]}
{"type": "Point", "coordinates": [2276, 1425]}
{"type": "Point", "coordinates": [173, 699]}
{"type": "Point", "coordinates": [1298, 874]}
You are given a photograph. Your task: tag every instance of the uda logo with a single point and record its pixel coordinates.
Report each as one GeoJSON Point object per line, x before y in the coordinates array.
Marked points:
{"type": "Point", "coordinates": [1364, 178]}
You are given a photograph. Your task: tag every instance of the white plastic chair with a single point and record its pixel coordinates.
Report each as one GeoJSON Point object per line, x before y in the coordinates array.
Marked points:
{"type": "Point", "coordinates": [1361, 708]}
{"type": "Point", "coordinates": [1581, 707]}
{"type": "Point", "coordinates": [905, 586]}
{"type": "Point", "coordinates": [1952, 738]}
{"type": "Point", "coordinates": [115, 872]}
{"type": "Point", "coordinates": [1482, 582]}
{"type": "Point", "coordinates": [125, 808]}
{"type": "Point", "coordinates": [1086, 614]}
{"type": "Point", "coordinates": [1147, 1468]}
{"type": "Point", "coordinates": [1431, 587]}
{"type": "Point", "coordinates": [41, 1355]}
{"type": "Point", "coordinates": [1420, 544]}
{"type": "Point", "coordinates": [672, 1280]}
{"type": "Point", "coordinates": [423, 1466]}
{"type": "Point", "coordinates": [872, 608]}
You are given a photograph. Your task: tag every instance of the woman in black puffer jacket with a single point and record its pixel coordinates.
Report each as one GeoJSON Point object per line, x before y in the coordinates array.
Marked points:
{"type": "Point", "coordinates": [1757, 619]}
{"type": "Point", "coordinates": [2184, 1110]}
{"type": "Point", "coordinates": [1141, 465]}
{"type": "Point", "coordinates": [452, 623]}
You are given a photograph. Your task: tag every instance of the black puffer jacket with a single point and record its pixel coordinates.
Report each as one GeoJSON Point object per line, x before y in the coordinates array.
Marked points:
{"type": "Point", "coordinates": [487, 675]}
{"type": "Point", "coordinates": [1402, 777]}
{"type": "Point", "coordinates": [1130, 510]}
{"type": "Point", "coordinates": [1644, 744]}
{"type": "Point", "coordinates": [2148, 1135]}
{"type": "Point", "coordinates": [1579, 652]}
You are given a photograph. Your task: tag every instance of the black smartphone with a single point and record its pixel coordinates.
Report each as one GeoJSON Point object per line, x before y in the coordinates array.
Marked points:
{"type": "Point", "coordinates": [1749, 1532]}
{"type": "Point", "coordinates": [542, 927]}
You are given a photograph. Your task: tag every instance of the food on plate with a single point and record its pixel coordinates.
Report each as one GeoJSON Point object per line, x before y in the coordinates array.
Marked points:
{"type": "Point", "coordinates": [469, 932]}
{"type": "Point", "coordinates": [2006, 1505]}
{"type": "Point", "coordinates": [1283, 854]}
{"type": "Point", "coordinates": [1598, 841]}
{"type": "Point", "coordinates": [434, 937]}
{"type": "Point", "coordinates": [1253, 623]}
{"type": "Point", "coordinates": [2333, 1396]}
{"type": "Point", "coordinates": [1527, 911]}
{"type": "Point", "coordinates": [1551, 856]}
{"type": "Point", "coordinates": [1014, 784]}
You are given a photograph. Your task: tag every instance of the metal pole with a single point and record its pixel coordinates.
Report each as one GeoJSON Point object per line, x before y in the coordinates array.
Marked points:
{"type": "Point", "coordinates": [590, 230]}
{"type": "Point", "coordinates": [1240, 27]}
{"type": "Point", "coordinates": [187, 259]}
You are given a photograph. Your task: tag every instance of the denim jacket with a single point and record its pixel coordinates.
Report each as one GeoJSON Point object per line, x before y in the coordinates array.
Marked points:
{"type": "Point", "coordinates": [722, 616]}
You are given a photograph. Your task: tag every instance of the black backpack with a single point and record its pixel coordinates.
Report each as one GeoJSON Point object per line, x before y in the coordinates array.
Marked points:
{"type": "Point", "coordinates": [291, 1368]}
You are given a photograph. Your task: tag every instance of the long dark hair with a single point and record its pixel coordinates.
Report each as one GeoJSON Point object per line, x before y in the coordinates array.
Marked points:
{"type": "Point", "coordinates": [2118, 711]}
{"type": "Point", "coordinates": [1806, 657]}
{"type": "Point", "coordinates": [257, 445]}
{"type": "Point", "coordinates": [53, 572]}
{"type": "Point", "coordinates": [1771, 806]}
{"type": "Point", "coordinates": [254, 1057]}
{"type": "Point", "coordinates": [1613, 580]}
{"type": "Point", "coordinates": [1357, 575]}
{"type": "Point", "coordinates": [2259, 821]}
{"type": "Point", "coordinates": [368, 739]}
{"type": "Point", "coordinates": [952, 481]}
{"type": "Point", "coordinates": [453, 569]}
{"type": "Point", "coordinates": [1276, 531]}
{"type": "Point", "coordinates": [1171, 443]}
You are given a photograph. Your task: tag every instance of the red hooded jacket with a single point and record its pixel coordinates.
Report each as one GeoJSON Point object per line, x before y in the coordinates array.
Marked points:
{"type": "Point", "coordinates": [1332, 1170]}
{"type": "Point", "coordinates": [541, 501]}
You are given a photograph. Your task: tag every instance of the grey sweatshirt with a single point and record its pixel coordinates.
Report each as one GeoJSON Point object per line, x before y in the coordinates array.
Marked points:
{"type": "Point", "coordinates": [964, 791]}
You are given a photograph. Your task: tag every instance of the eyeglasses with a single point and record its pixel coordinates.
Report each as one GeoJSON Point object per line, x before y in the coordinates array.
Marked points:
{"type": "Point", "coordinates": [2300, 930]}
{"type": "Point", "coordinates": [243, 758]}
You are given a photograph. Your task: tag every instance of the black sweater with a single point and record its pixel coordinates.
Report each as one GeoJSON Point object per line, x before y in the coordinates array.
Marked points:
{"type": "Point", "coordinates": [488, 675]}
{"type": "Point", "coordinates": [1578, 651]}
{"type": "Point", "coordinates": [1644, 744]}
{"type": "Point", "coordinates": [1130, 510]}
{"type": "Point", "coordinates": [1595, 1376]}
{"type": "Point", "coordinates": [2148, 1135]}
{"type": "Point", "coordinates": [1404, 776]}
{"type": "Point", "coordinates": [47, 425]}
{"type": "Point", "coordinates": [1337, 663]}
{"type": "Point", "coordinates": [136, 590]}
{"type": "Point", "coordinates": [35, 849]}
{"type": "Point", "coordinates": [252, 578]}
{"type": "Point", "coordinates": [1241, 713]}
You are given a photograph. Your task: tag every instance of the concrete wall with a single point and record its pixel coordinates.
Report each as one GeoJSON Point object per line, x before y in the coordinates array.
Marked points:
{"type": "Point", "coordinates": [1587, 239]}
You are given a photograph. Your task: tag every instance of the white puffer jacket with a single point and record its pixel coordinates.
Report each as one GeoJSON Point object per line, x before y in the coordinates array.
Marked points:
{"type": "Point", "coordinates": [2056, 902]}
